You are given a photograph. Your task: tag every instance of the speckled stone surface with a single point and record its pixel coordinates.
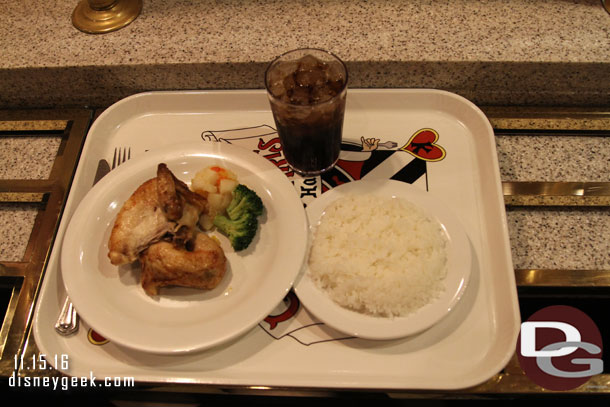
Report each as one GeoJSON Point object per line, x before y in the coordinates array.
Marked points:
{"type": "Point", "coordinates": [27, 157]}
{"type": "Point", "coordinates": [547, 158]}
{"type": "Point", "coordinates": [560, 238]}
{"type": "Point", "coordinates": [491, 51]}
{"type": "Point", "coordinates": [16, 224]}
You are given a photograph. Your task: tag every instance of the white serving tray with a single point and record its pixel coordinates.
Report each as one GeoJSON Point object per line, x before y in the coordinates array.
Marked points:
{"type": "Point", "coordinates": [290, 349]}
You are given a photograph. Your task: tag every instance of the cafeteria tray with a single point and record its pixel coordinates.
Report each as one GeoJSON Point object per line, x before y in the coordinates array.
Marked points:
{"type": "Point", "coordinates": [290, 348]}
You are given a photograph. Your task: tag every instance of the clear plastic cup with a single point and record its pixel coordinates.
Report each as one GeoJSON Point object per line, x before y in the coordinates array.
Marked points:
{"type": "Point", "coordinates": [307, 89]}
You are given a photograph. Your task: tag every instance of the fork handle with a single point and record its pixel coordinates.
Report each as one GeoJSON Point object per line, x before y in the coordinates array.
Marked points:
{"type": "Point", "coordinates": [67, 323]}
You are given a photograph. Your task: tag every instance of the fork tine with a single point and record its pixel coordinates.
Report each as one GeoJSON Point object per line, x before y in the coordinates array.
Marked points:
{"type": "Point", "coordinates": [114, 159]}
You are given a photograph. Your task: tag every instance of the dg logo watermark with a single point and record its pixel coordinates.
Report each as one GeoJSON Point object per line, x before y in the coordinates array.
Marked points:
{"type": "Point", "coordinates": [560, 348]}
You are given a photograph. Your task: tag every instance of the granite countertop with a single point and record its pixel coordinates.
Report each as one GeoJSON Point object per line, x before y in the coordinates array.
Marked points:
{"type": "Point", "coordinates": [550, 52]}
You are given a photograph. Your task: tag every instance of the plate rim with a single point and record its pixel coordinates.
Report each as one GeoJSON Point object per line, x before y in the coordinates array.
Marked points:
{"type": "Point", "coordinates": [313, 298]}
{"type": "Point", "coordinates": [179, 151]}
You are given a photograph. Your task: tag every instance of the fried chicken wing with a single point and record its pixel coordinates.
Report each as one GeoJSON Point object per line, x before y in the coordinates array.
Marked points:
{"type": "Point", "coordinates": [174, 193]}
{"type": "Point", "coordinates": [140, 222]}
{"type": "Point", "coordinates": [160, 206]}
{"type": "Point", "coordinates": [171, 202]}
{"type": "Point", "coordinates": [165, 264]}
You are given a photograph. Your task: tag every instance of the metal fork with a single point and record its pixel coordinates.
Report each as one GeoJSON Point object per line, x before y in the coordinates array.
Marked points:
{"type": "Point", "coordinates": [67, 322]}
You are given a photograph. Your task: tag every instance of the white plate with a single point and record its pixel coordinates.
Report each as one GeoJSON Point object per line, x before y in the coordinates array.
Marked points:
{"type": "Point", "coordinates": [180, 320]}
{"type": "Point", "coordinates": [371, 327]}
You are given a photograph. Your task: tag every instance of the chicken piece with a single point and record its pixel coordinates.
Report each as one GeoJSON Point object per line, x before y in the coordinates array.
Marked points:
{"type": "Point", "coordinates": [171, 202]}
{"type": "Point", "coordinates": [159, 207]}
{"type": "Point", "coordinates": [140, 222]}
{"type": "Point", "coordinates": [174, 194]}
{"type": "Point", "coordinates": [201, 266]}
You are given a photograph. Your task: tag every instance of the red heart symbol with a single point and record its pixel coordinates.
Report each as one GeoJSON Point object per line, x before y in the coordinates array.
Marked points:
{"type": "Point", "coordinates": [422, 145]}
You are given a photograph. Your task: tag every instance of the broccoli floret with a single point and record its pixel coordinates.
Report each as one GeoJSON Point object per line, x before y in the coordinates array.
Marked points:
{"type": "Point", "coordinates": [240, 231]}
{"type": "Point", "coordinates": [241, 222]}
{"type": "Point", "coordinates": [244, 200]}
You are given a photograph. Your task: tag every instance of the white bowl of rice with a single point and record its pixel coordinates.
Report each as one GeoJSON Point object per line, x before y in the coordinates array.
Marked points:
{"type": "Point", "coordinates": [386, 259]}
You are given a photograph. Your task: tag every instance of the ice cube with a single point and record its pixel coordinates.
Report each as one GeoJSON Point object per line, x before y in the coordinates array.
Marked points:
{"type": "Point", "coordinates": [300, 96]}
{"type": "Point", "coordinates": [285, 68]}
{"type": "Point", "coordinates": [280, 77]}
{"type": "Point", "coordinates": [335, 76]}
{"type": "Point", "coordinates": [322, 94]}
{"type": "Point", "coordinates": [309, 63]}
{"type": "Point", "coordinates": [277, 89]}
{"type": "Point", "coordinates": [335, 71]}
{"type": "Point", "coordinates": [335, 86]}
{"type": "Point", "coordinates": [311, 78]}
{"type": "Point", "coordinates": [289, 83]}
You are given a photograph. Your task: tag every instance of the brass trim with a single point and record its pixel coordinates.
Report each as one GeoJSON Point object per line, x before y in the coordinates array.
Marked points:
{"type": "Point", "coordinates": [99, 17]}
{"type": "Point", "coordinates": [520, 384]}
{"type": "Point", "coordinates": [601, 189]}
{"type": "Point", "coordinates": [547, 116]}
{"type": "Point", "coordinates": [50, 195]}
{"type": "Point", "coordinates": [556, 193]}
{"type": "Point", "coordinates": [551, 121]}
{"type": "Point", "coordinates": [13, 269]}
{"type": "Point", "coordinates": [15, 284]}
{"type": "Point", "coordinates": [10, 187]}
{"type": "Point", "coordinates": [562, 278]}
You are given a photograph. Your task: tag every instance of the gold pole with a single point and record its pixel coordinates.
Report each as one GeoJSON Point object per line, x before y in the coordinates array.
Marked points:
{"type": "Point", "coordinates": [102, 16]}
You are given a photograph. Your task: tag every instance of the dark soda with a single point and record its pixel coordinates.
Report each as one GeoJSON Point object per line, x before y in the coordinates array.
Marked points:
{"type": "Point", "coordinates": [307, 94]}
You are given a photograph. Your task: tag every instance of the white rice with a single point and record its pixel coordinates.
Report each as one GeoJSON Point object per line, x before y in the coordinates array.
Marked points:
{"type": "Point", "coordinates": [379, 256]}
